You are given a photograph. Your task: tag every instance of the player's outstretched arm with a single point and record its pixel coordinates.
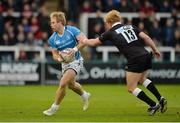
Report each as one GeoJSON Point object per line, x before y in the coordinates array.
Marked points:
{"type": "Point", "coordinates": [149, 42]}
{"type": "Point", "coordinates": [91, 42]}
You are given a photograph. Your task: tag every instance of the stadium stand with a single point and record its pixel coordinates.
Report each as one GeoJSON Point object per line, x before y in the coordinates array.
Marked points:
{"type": "Point", "coordinates": [24, 23]}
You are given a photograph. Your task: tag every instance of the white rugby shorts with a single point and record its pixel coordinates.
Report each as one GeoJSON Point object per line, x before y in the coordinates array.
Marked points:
{"type": "Point", "coordinates": [76, 65]}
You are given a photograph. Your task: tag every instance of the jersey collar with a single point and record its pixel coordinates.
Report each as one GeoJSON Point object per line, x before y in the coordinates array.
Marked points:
{"type": "Point", "coordinates": [116, 24]}
{"type": "Point", "coordinates": [60, 35]}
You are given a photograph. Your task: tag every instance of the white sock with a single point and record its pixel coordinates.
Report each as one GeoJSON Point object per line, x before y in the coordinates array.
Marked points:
{"type": "Point", "coordinates": [54, 106]}
{"type": "Point", "coordinates": [146, 82]}
{"type": "Point", "coordinates": [136, 91]}
{"type": "Point", "coordinates": [84, 95]}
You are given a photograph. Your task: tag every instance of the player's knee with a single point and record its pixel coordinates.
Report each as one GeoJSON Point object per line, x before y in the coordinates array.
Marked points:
{"type": "Point", "coordinates": [63, 85]}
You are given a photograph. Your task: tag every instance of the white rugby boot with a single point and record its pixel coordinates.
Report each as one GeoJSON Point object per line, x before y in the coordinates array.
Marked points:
{"type": "Point", "coordinates": [85, 98]}
{"type": "Point", "coordinates": [52, 110]}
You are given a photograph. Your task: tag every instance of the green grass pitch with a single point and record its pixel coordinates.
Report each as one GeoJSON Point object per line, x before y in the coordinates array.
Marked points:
{"type": "Point", "coordinates": [109, 103]}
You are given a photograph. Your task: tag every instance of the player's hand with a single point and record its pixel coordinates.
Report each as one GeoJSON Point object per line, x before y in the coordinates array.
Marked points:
{"type": "Point", "coordinates": [84, 41]}
{"type": "Point", "coordinates": [157, 54]}
{"type": "Point", "coordinates": [81, 38]}
{"type": "Point", "coordinates": [71, 53]}
{"type": "Point", "coordinates": [59, 59]}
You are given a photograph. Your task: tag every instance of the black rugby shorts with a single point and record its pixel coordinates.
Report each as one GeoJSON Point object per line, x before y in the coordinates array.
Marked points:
{"type": "Point", "coordinates": [140, 64]}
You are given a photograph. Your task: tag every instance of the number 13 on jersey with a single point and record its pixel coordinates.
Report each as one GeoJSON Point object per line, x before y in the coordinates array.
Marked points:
{"type": "Point", "coordinates": [128, 33]}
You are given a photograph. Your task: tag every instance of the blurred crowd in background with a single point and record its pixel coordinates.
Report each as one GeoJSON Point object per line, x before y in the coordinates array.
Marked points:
{"type": "Point", "coordinates": [165, 32]}
{"type": "Point", "coordinates": [26, 22]}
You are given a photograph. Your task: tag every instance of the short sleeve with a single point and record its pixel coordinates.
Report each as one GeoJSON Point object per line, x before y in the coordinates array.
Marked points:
{"type": "Point", "coordinates": [137, 31]}
{"type": "Point", "coordinates": [74, 30]}
{"type": "Point", "coordinates": [104, 36]}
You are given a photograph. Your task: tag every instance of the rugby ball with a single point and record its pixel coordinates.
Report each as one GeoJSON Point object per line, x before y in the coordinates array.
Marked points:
{"type": "Point", "coordinates": [64, 56]}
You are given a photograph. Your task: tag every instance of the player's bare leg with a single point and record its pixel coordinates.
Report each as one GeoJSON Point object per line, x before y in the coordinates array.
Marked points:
{"type": "Point", "coordinates": [77, 88]}
{"type": "Point", "coordinates": [132, 81]}
{"type": "Point", "coordinates": [151, 87]}
{"type": "Point", "coordinates": [61, 92]}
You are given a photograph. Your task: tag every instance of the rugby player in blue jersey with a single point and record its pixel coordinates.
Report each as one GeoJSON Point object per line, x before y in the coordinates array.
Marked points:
{"type": "Point", "coordinates": [66, 37]}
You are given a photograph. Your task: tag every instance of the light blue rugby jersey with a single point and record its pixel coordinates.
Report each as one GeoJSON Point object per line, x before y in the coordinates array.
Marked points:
{"type": "Point", "coordinates": [66, 40]}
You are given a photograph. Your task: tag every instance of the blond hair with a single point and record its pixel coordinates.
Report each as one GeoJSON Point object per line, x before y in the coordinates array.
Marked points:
{"type": "Point", "coordinates": [60, 17]}
{"type": "Point", "coordinates": [113, 16]}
